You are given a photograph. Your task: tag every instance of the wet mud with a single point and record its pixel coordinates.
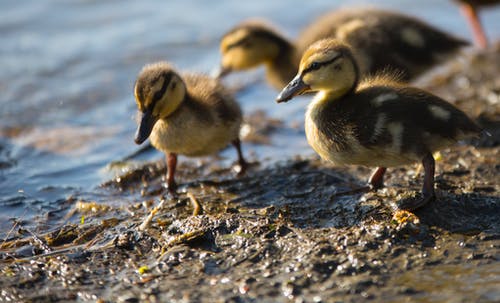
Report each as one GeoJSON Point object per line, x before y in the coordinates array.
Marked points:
{"type": "Point", "coordinates": [293, 231]}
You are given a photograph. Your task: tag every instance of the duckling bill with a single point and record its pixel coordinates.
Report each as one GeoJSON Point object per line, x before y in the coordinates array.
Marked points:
{"type": "Point", "coordinates": [375, 122]}
{"type": "Point", "coordinates": [192, 115]}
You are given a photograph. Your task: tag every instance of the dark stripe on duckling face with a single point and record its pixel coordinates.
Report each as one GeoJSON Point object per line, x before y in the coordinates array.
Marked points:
{"type": "Point", "coordinates": [142, 86]}
{"type": "Point", "coordinates": [242, 43]}
{"type": "Point", "coordinates": [317, 65]}
{"type": "Point", "coordinates": [245, 41]}
{"type": "Point", "coordinates": [148, 119]}
{"type": "Point", "coordinates": [167, 77]}
{"type": "Point", "coordinates": [297, 86]}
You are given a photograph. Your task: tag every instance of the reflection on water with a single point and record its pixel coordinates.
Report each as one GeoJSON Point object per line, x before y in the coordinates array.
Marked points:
{"type": "Point", "coordinates": [68, 69]}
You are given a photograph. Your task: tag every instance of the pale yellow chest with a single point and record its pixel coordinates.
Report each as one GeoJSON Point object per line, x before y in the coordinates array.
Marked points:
{"type": "Point", "coordinates": [325, 146]}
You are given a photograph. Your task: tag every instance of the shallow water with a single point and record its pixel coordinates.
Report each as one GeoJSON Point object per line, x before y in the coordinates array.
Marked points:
{"type": "Point", "coordinates": [68, 68]}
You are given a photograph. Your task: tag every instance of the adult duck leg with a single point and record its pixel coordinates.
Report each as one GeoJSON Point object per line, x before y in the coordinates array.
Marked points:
{"type": "Point", "coordinates": [470, 13]}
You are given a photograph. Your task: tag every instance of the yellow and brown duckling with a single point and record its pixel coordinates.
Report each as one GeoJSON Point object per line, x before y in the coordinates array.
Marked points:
{"type": "Point", "coordinates": [384, 40]}
{"type": "Point", "coordinates": [469, 9]}
{"type": "Point", "coordinates": [192, 115]}
{"type": "Point", "coordinates": [374, 122]}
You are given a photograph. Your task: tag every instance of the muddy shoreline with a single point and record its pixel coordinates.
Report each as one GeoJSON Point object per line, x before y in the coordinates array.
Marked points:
{"type": "Point", "coordinates": [283, 233]}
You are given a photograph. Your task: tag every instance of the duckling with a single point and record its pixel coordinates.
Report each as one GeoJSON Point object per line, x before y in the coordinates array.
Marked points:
{"type": "Point", "coordinates": [192, 115]}
{"type": "Point", "coordinates": [373, 122]}
{"type": "Point", "coordinates": [469, 10]}
{"type": "Point", "coordinates": [384, 40]}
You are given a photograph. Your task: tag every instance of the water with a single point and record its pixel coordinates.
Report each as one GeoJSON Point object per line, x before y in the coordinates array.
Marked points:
{"type": "Point", "coordinates": [68, 68]}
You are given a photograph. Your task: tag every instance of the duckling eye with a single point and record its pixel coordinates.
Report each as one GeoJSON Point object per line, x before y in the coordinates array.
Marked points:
{"type": "Point", "coordinates": [314, 66]}
{"type": "Point", "coordinates": [243, 43]}
{"type": "Point", "coordinates": [246, 44]}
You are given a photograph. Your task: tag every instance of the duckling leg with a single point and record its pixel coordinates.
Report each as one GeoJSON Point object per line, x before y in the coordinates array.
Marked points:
{"type": "Point", "coordinates": [470, 13]}
{"type": "Point", "coordinates": [241, 161]}
{"type": "Point", "coordinates": [377, 178]}
{"type": "Point", "coordinates": [428, 187]}
{"type": "Point", "coordinates": [375, 182]}
{"type": "Point", "coordinates": [171, 166]}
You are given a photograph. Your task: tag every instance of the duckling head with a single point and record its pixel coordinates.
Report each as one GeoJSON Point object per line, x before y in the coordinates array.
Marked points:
{"type": "Point", "coordinates": [158, 91]}
{"type": "Point", "coordinates": [327, 66]}
{"type": "Point", "coordinates": [249, 45]}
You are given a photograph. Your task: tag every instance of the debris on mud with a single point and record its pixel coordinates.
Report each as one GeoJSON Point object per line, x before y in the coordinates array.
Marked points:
{"type": "Point", "coordinates": [284, 232]}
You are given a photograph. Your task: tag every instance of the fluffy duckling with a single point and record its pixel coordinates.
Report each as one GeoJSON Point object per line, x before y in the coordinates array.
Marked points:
{"type": "Point", "coordinates": [375, 122]}
{"type": "Point", "coordinates": [383, 40]}
{"type": "Point", "coordinates": [469, 10]}
{"type": "Point", "coordinates": [192, 116]}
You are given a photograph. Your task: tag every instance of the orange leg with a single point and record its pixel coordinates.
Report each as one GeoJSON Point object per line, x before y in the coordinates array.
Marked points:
{"type": "Point", "coordinates": [428, 187]}
{"type": "Point", "coordinates": [171, 166]}
{"type": "Point", "coordinates": [470, 13]}
{"type": "Point", "coordinates": [377, 178]}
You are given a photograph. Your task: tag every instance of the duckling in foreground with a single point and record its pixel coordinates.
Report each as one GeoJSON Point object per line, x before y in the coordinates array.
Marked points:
{"type": "Point", "coordinates": [384, 40]}
{"type": "Point", "coordinates": [375, 122]}
{"type": "Point", "coordinates": [192, 116]}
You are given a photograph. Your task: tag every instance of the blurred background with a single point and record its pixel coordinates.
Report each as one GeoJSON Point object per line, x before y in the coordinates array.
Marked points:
{"type": "Point", "coordinates": [68, 69]}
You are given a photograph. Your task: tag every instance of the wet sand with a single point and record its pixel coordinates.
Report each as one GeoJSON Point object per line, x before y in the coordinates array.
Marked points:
{"type": "Point", "coordinates": [283, 232]}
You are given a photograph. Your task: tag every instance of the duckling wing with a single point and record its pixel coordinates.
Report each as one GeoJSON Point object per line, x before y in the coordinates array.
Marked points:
{"type": "Point", "coordinates": [326, 26]}
{"type": "Point", "coordinates": [384, 40]}
{"type": "Point", "coordinates": [210, 100]}
{"type": "Point", "coordinates": [207, 120]}
{"type": "Point", "coordinates": [384, 126]}
{"type": "Point", "coordinates": [407, 118]}
{"type": "Point", "coordinates": [401, 43]}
